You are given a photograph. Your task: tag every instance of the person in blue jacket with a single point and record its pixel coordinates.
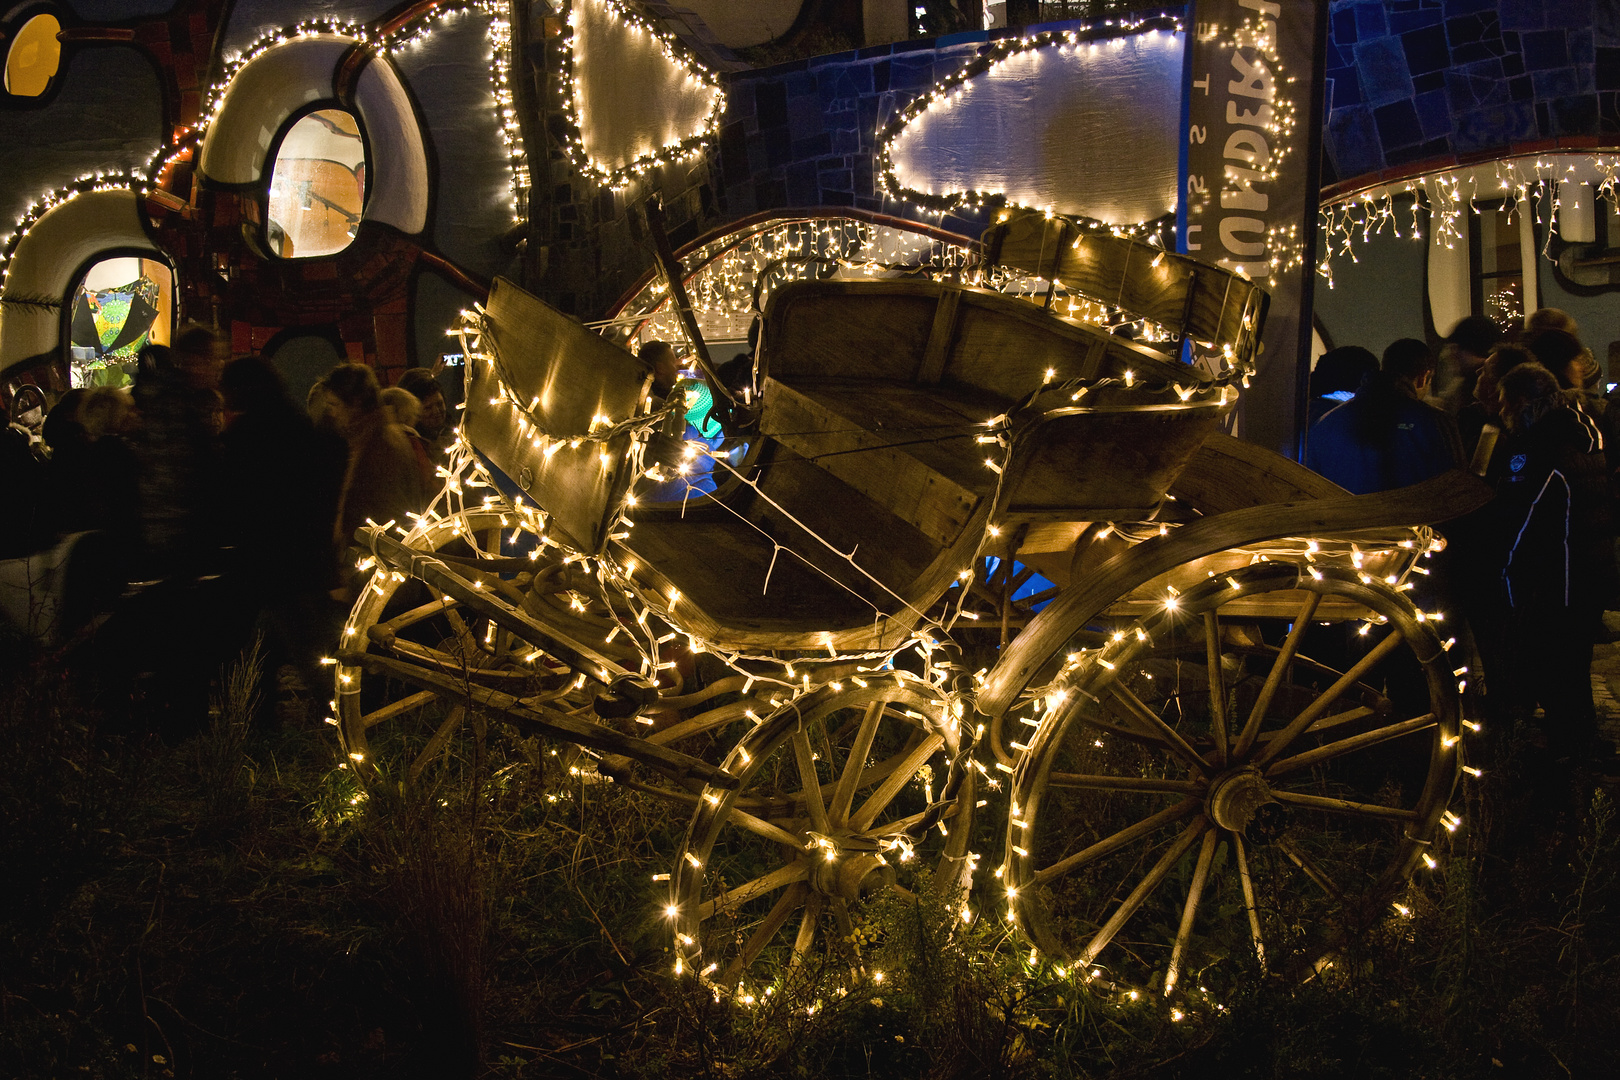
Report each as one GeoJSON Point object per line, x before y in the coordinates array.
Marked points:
{"type": "Point", "coordinates": [1387, 436]}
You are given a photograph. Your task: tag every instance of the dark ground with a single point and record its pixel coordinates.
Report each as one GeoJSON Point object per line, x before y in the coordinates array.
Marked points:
{"type": "Point", "coordinates": [222, 906]}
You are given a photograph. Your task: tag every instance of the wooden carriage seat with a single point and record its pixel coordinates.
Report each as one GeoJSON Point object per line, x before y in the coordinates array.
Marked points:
{"type": "Point", "coordinates": [888, 386]}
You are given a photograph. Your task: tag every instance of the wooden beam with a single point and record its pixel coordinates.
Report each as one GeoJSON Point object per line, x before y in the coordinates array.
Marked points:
{"type": "Point", "coordinates": [549, 722]}
{"type": "Point", "coordinates": [676, 280]}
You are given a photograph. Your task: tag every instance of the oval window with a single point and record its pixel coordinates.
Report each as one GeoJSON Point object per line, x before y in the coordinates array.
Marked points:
{"type": "Point", "coordinates": [34, 56]}
{"type": "Point", "coordinates": [121, 304]}
{"type": "Point", "coordinates": [317, 187]}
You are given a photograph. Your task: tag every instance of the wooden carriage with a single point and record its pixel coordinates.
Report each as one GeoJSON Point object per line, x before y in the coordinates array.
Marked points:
{"type": "Point", "coordinates": [1224, 683]}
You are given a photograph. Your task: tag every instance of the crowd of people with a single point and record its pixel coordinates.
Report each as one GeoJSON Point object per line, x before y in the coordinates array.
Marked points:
{"type": "Point", "coordinates": [222, 505]}
{"type": "Point", "coordinates": [1534, 569]}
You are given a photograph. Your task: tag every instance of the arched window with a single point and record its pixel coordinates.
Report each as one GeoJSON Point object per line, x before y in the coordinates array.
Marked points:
{"type": "Point", "coordinates": [120, 305]}
{"type": "Point", "coordinates": [317, 187]}
{"type": "Point", "coordinates": [34, 56]}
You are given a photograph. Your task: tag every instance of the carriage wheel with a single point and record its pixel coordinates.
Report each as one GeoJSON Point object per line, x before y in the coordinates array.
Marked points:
{"type": "Point", "coordinates": [1205, 787]}
{"type": "Point", "coordinates": [844, 794]}
{"type": "Point", "coordinates": [398, 728]}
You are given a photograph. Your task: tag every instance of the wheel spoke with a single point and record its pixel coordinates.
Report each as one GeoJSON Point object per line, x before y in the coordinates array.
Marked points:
{"type": "Point", "coordinates": [1312, 871]}
{"type": "Point", "coordinates": [844, 794]}
{"type": "Point", "coordinates": [875, 803]}
{"type": "Point", "coordinates": [1344, 806]}
{"type": "Point", "coordinates": [1249, 905]}
{"type": "Point", "coordinates": [404, 619]}
{"type": "Point", "coordinates": [395, 708]}
{"type": "Point", "coordinates": [1144, 888]}
{"type": "Point", "coordinates": [1315, 709]}
{"type": "Point", "coordinates": [1178, 952]}
{"type": "Point", "coordinates": [438, 743]}
{"type": "Point", "coordinates": [1130, 735]}
{"type": "Point", "coordinates": [794, 871]}
{"type": "Point", "coordinates": [1327, 723]}
{"type": "Point", "coordinates": [1274, 677]}
{"type": "Point", "coordinates": [1309, 758]}
{"type": "Point", "coordinates": [1153, 724]}
{"type": "Point", "coordinates": [1122, 783]}
{"type": "Point", "coordinates": [810, 783]}
{"type": "Point", "coordinates": [761, 827]}
{"type": "Point", "coordinates": [1142, 828]}
{"type": "Point", "coordinates": [767, 929]}
{"type": "Point", "coordinates": [807, 927]}
{"type": "Point", "coordinates": [1217, 685]}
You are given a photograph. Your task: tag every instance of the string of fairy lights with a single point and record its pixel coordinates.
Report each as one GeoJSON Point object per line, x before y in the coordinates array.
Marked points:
{"type": "Point", "coordinates": [1532, 185]}
{"type": "Point", "coordinates": [185, 140]}
{"type": "Point", "coordinates": [687, 148]}
{"type": "Point", "coordinates": [949, 92]}
{"type": "Point", "coordinates": [731, 283]}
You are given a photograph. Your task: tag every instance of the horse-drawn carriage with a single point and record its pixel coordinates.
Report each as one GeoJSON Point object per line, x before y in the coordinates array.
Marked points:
{"type": "Point", "coordinates": [951, 543]}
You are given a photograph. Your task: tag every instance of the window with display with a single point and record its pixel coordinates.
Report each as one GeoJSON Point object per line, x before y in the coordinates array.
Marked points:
{"type": "Point", "coordinates": [1499, 264]}
{"type": "Point", "coordinates": [318, 186]}
{"type": "Point", "coordinates": [120, 305]}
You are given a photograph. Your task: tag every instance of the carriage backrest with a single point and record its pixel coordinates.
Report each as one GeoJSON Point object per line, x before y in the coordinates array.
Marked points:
{"type": "Point", "coordinates": [939, 334]}
{"type": "Point", "coordinates": [537, 383]}
{"type": "Point", "coordinates": [1186, 296]}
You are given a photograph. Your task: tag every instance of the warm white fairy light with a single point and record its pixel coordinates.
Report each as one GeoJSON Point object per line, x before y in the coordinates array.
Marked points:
{"type": "Point", "coordinates": [949, 91]}
{"type": "Point", "coordinates": [44, 204]}
{"type": "Point", "coordinates": [687, 149]}
{"type": "Point", "coordinates": [1527, 184]}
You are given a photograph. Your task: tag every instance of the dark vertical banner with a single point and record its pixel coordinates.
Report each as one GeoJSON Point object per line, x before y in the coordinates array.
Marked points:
{"type": "Point", "coordinates": [1251, 178]}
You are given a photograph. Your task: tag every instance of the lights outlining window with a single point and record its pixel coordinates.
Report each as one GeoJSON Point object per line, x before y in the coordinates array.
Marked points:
{"type": "Point", "coordinates": [34, 57]}
{"type": "Point", "coordinates": [317, 187]}
{"type": "Point", "coordinates": [121, 304]}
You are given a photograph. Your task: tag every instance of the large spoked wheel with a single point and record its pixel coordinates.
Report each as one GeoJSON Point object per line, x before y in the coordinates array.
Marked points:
{"type": "Point", "coordinates": [410, 708]}
{"type": "Point", "coordinates": [1221, 782]}
{"type": "Point", "coordinates": [845, 793]}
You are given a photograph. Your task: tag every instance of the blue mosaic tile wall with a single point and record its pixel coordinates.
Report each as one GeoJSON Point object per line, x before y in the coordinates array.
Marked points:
{"type": "Point", "coordinates": [804, 134]}
{"type": "Point", "coordinates": [1410, 80]}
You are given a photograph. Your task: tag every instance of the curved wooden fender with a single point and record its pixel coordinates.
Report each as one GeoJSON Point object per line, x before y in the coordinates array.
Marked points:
{"type": "Point", "coordinates": [1447, 496]}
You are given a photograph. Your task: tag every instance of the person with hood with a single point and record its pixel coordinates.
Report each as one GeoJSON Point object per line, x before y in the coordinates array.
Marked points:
{"type": "Point", "coordinates": [1557, 569]}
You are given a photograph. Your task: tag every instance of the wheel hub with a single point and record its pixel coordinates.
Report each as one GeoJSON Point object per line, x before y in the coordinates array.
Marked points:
{"type": "Point", "coordinates": [1237, 797]}
{"type": "Point", "coordinates": [851, 876]}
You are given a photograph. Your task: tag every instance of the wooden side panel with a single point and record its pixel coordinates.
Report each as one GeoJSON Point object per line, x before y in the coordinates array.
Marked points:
{"type": "Point", "coordinates": [1105, 464]}
{"type": "Point", "coordinates": [906, 449]}
{"type": "Point", "coordinates": [877, 330]}
{"type": "Point", "coordinates": [1229, 474]}
{"type": "Point", "coordinates": [566, 376]}
{"type": "Point", "coordinates": [1006, 346]}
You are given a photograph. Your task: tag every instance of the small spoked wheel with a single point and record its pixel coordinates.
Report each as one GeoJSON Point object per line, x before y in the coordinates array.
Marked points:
{"type": "Point", "coordinates": [845, 793]}
{"type": "Point", "coordinates": [419, 670]}
{"type": "Point", "coordinates": [1233, 778]}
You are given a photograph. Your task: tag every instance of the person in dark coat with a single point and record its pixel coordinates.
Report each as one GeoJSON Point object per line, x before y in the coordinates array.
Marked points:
{"type": "Point", "coordinates": [382, 482]}
{"type": "Point", "coordinates": [1387, 436]}
{"type": "Point", "coordinates": [433, 422]}
{"type": "Point", "coordinates": [22, 531]}
{"type": "Point", "coordinates": [1557, 569]}
{"type": "Point", "coordinates": [277, 518]}
{"type": "Point", "coordinates": [1461, 358]}
{"type": "Point", "coordinates": [1338, 375]}
{"type": "Point", "coordinates": [176, 447]}
{"type": "Point", "coordinates": [1486, 408]}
